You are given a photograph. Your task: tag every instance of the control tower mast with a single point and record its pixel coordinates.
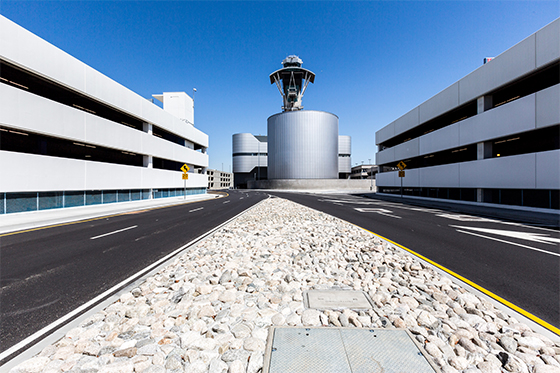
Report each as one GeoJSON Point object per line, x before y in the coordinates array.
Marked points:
{"type": "Point", "coordinates": [292, 81]}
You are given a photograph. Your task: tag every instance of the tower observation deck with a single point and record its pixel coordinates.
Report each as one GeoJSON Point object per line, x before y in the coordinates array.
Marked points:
{"type": "Point", "coordinates": [292, 81]}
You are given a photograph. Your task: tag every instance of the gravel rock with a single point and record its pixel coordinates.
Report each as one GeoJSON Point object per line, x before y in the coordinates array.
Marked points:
{"type": "Point", "coordinates": [310, 317]}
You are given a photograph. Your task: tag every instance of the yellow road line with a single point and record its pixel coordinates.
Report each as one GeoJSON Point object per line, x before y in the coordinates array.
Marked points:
{"type": "Point", "coordinates": [97, 218]}
{"type": "Point", "coordinates": [529, 315]}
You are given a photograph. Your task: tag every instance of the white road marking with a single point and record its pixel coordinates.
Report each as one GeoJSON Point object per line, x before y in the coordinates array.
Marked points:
{"type": "Point", "coordinates": [241, 198]}
{"type": "Point", "coordinates": [226, 201]}
{"type": "Point", "coordinates": [393, 216]}
{"type": "Point", "coordinates": [464, 217]}
{"type": "Point", "coordinates": [534, 237]}
{"type": "Point", "coordinates": [378, 211]}
{"type": "Point", "coordinates": [371, 209]}
{"type": "Point", "coordinates": [200, 208]}
{"type": "Point", "coordinates": [511, 243]}
{"type": "Point", "coordinates": [345, 201]}
{"type": "Point", "coordinates": [110, 233]}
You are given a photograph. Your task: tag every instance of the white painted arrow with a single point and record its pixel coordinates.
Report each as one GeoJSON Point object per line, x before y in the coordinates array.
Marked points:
{"type": "Point", "coordinates": [534, 237]}
{"type": "Point", "coordinates": [377, 210]}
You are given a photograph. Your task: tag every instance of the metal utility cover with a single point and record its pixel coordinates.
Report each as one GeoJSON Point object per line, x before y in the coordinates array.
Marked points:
{"type": "Point", "coordinates": [336, 299]}
{"type": "Point", "coordinates": [343, 350]}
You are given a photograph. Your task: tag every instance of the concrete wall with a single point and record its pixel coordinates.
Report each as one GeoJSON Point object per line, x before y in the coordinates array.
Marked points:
{"type": "Point", "coordinates": [36, 173]}
{"type": "Point", "coordinates": [314, 184]}
{"type": "Point", "coordinates": [525, 171]}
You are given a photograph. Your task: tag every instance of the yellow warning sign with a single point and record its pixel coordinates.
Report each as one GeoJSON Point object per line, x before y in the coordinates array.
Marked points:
{"type": "Point", "coordinates": [185, 168]}
{"type": "Point", "coordinates": [401, 165]}
{"type": "Point", "coordinates": [185, 176]}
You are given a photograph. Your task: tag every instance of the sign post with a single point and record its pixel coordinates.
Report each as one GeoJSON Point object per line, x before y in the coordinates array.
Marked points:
{"type": "Point", "coordinates": [185, 169]}
{"type": "Point", "coordinates": [401, 167]}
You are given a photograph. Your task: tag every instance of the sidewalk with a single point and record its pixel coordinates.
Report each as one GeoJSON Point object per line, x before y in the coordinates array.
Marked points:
{"type": "Point", "coordinates": [34, 219]}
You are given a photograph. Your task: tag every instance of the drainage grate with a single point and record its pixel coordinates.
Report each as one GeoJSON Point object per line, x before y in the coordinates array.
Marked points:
{"type": "Point", "coordinates": [343, 350]}
{"type": "Point", "coordinates": [336, 299]}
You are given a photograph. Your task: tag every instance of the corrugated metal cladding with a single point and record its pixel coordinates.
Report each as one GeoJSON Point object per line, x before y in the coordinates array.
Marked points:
{"type": "Point", "coordinates": [245, 149]}
{"type": "Point", "coordinates": [344, 152]}
{"type": "Point", "coordinates": [344, 144]}
{"type": "Point", "coordinates": [248, 143]}
{"type": "Point", "coordinates": [303, 145]}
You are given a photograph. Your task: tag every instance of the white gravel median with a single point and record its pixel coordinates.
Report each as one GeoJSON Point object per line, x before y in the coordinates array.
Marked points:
{"type": "Point", "coordinates": [209, 311]}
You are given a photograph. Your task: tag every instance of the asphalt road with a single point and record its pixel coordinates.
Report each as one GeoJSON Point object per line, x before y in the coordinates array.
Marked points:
{"type": "Point", "coordinates": [47, 273]}
{"type": "Point", "coordinates": [517, 262]}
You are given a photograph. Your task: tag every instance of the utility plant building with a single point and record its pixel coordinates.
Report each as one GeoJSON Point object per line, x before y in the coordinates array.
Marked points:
{"type": "Point", "coordinates": [302, 149]}
{"type": "Point", "coordinates": [491, 137]}
{"type": "Point", "coordinates": [71, 136]}
{"type": "Point", "coordinates": [250, 158]}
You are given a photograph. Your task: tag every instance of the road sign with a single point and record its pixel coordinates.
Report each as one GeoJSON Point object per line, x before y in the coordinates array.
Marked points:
{"type": "Point", "coordinates": [185, 176]}
{"type": "Point", "coordinates": [401, 165]}
{"type": "Point", "coordinates": [401, 173]}
{"type": "Point", "coordinates": [185, 168]}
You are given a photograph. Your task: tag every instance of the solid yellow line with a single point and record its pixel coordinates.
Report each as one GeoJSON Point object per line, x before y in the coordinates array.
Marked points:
{"type": "Point", "coordinates": [539, 321]}
{"type": "Point", "coordinates": [93, 219]}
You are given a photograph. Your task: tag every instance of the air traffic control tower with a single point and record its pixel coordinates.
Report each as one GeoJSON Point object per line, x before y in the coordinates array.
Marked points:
{"type": "Point", "coordinates": [302, 144]}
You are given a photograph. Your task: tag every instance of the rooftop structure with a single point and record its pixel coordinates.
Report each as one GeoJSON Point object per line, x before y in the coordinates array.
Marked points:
{"type": "Point", "coordinates": [292, 81]}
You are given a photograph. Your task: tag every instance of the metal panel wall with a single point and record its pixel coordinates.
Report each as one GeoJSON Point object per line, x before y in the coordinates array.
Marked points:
{"type": "Point", "coordinates": [246, 143]}
{"type": "Point", "coordinates": [303, 145]}
{"type": "Point", "coordinates": [344, 145]}
{"type": "Point", "coordinates": [344, 148]}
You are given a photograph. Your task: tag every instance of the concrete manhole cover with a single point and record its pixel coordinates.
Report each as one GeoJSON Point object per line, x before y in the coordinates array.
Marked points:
{"type": "Point", "coordinates": [343, 350]}
{"type": "Point", "coordinates": [336, 299]}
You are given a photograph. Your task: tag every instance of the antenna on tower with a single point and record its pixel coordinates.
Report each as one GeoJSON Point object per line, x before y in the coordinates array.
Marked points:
{"type": "Point", "coordinates": [292, 81]}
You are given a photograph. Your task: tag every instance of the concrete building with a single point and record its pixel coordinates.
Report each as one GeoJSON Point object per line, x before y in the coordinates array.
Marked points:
{"type": "Point", "coordinates": [364, 171]}
{"type": "Point", "coordinates": [71, 136]}
{"type": "Point", "coordinates": [250, 158]}
{"type": "Point", "coordinates": [491, 137]}
{"type": "Point", "coordinates": [219, 179]}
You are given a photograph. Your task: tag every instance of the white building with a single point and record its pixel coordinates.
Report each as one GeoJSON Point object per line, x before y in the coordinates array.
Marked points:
{"type": "Point", "coordinates": [492, 137]}
{"type": "Point", "coordinates": [219, 179]}
{"type": "Point", "coordinates": [70, 136]}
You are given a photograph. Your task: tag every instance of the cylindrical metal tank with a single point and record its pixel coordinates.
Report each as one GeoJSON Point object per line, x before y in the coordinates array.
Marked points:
{"type": "Point", "coordinates": [303, 145]}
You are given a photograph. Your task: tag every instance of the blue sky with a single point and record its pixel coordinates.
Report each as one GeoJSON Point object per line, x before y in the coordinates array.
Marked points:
{"type": "Point", "coordinates": [373, 60]}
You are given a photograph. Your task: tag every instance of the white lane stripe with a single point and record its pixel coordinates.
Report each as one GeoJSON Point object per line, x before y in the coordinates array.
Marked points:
{"type": "Point", "coordinates": [511, 243]}
{"type": "Point", "coordinates": [110, 233]}
{"type": "Point", "coordinates": [78, 310]}
{"type": "Point", "coordinates": [226, 201]}
{"type": "Point", "coordinates": [200, 208]}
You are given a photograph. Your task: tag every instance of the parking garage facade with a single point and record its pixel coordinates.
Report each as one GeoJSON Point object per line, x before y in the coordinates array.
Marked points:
{"type": "Point", "coordinates": [492, 137]}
